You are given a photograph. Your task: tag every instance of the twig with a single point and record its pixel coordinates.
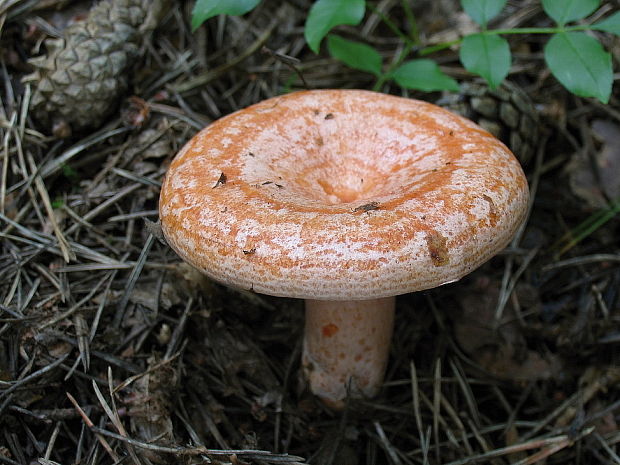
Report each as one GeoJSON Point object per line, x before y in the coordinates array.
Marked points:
{"type": "Point", "coordinates": [583, 260]}
{"type": "Point", "coordinates": [15, 384]}
{"type": "Point", "coordinates": [415, 395]}
{"type": "Point", "coordinates": [113, 414]}
{"type": "Point", "coordinates": [213, 74]}
{"type": "Point", "coordinates": [74, 308]}
{"type": "Point", "coordinates": [5, 163]}
{"type": "Point", "coordinates": [387, 446]}
{"type": "Point", "coordinates": [437, 406]}
{"type": "Point", "coordinates": [289, 62]}
{"type": "Point", "coordinates": [151, 369]}
{"type": "Point", "coordinates": [56, 163]}
{"type": "Point", "coordinates": [551, 446]}
{"type": "Point", "coordinates": [92, 426]}
{"type": "Point", "coordinates": [250, 454]}
{"type": "Point", "coordinates": [52, 441]}
{"type": "Point", "coordinates": [131, 281]}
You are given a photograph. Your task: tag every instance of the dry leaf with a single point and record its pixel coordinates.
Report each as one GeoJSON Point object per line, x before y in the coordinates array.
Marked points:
{"type": "Point", "coordinates": [151, 409]}
{"type": "Point", "coordinates": [596, 185]}
{"type": "Point", "coordinates": [608, 159]}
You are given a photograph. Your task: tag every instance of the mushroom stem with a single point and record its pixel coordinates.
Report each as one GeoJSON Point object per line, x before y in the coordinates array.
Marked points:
{"type": "Point", "coordinates": [346, 347]}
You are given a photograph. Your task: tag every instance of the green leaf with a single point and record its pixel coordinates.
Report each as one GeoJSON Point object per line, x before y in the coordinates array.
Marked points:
{"type": "Point", "coordinates": [565, 11]}
{"type": "Point", "coordinates": [327, 14]}
{"type": "Point", "coordinates": [355, 54]}
{"type": "Point", "coordinates": [486, 55]}
{"type": "Point", "coordinates": [69, 172]}
{"type": "Point", "coordinates": [581, 64]}
{"type": "Point", "coordinates": [423, 75]}
{"type": "Point", "coordinates": [205, 9]}
{"type": "Point", "coordinates": [482, 11]}
{"type": "Point", "coordinates": [610, 24]}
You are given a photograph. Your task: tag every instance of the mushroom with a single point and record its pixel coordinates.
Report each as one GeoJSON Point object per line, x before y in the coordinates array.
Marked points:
{"type": "Point", "coordinates": [345, 198]}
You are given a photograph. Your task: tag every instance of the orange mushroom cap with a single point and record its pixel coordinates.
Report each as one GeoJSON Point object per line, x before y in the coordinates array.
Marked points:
{"type": "Point", "coordinates": [341, 195]}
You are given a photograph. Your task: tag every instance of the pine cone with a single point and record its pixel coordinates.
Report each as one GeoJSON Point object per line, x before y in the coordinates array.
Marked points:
{"type": "Point", "coordinates": [80, 81]}
{"type": "Point", "coordinates": [506, 112]}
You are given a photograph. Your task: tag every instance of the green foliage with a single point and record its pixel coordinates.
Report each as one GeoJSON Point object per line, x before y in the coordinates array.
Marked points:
{"type": "Point", "coordinates": [421, 74]}
{"type": "Point", "coordinates": [577, 60]}
{"type": "Point", "coordinates": [611, 24]}
{"type": "Point", "coordinates": [205, 9]}
{"type": "Point", "coordinates": [486, 55]}
{"type": "Point", "coordinates": [327, 14]}
{"type": "Point", "coordinates": [581, 64]}
{"type": "Point", "coordinates": [70, 173]}
{"type": "Point", "coordinates": [586, 228]}
{"type": "Point", "coordinates": [424, 75]}
{"type": "Point", "coordinates": [354, 54]}
{"type": "Point", "coordinates": [482, 11]}
{"type": "Point", "coordinates": [565, 11]}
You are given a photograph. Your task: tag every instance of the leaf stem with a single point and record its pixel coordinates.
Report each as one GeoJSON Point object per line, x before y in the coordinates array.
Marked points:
{"type": "Point", "coordinates": [386, 75]}
{"type": "Point", "coordinates": [537, 30]}
{"type": "Point", "coordinates": [586, 228]}
{"type": "Point", "coordinates": [414, 32]}
{"type": "Point", "coordinates": [390, 24]}
{"type": "Point", "coordinates": [438, 47]}
{"type": "Point", "coordinates": [410, 42]}
{"type": "Point", "coordinates": [521, 30]}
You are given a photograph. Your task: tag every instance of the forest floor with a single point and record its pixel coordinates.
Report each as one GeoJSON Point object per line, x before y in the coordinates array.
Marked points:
{"type": "Point", "coordinates": [114, 351]}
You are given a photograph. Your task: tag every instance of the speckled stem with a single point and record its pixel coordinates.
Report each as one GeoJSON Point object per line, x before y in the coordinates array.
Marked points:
{"type": "Point", "coordinates": [346, 347]}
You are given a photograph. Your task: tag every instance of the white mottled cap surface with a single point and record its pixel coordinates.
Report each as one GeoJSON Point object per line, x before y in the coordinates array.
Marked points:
{"type": "Point", "coordinates": [341, 195]}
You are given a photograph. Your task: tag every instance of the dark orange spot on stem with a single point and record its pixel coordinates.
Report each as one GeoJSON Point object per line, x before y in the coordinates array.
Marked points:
{"type": "Point", "coordinates": [329, 330]}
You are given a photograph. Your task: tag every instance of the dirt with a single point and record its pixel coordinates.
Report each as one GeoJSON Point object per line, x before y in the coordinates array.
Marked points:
{"type": "Point", "coordinates": [112, 350]}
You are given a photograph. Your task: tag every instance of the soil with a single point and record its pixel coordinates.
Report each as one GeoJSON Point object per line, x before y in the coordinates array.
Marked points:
{"type": "Point", "coordinates": [114, 351]}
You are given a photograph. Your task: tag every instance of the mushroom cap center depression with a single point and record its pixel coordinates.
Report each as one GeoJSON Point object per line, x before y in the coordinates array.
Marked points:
{"type": "Point", "coordinates": [340, 195]}
{"type": "Point", "coordinates": [337, 161]}
{"type": "Point", "coordinates": [339, 158]}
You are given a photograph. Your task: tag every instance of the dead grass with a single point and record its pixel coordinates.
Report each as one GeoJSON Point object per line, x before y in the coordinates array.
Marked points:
{"type": "Point", "coordinates": [112, 351]}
